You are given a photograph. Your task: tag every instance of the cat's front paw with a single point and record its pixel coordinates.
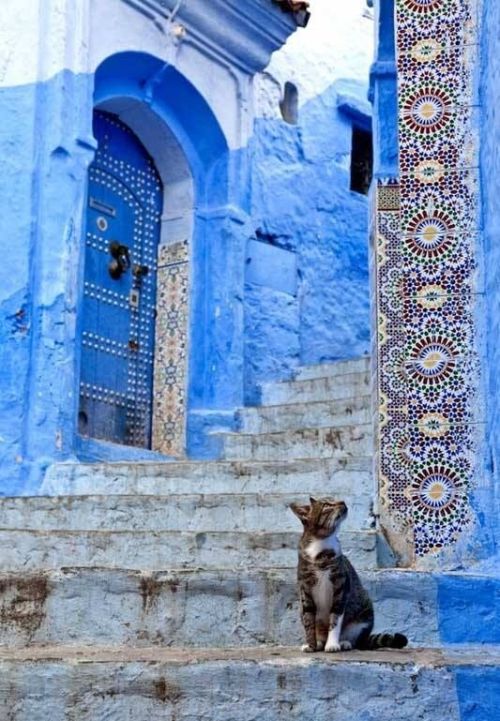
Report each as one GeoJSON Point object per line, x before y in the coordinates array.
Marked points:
{"type": "Point", "coordinates": [346, 645]}
{"type": "Point", "coordinates": [332, 647]}
{"type": "Point", "coordinates": [307, 649]}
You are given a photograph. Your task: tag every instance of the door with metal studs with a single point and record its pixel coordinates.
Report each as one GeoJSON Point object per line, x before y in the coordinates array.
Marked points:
{"type": "Point", "coordinates": [124, 204]}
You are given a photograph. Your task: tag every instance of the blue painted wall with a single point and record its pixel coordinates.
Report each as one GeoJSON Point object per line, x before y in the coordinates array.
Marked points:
{"type": "Point", "coordinates": [468, 608]}
{"type": "Point", "coordinates": [17, 152]}
{"type": "Point", "coordinates": [478, 692]}
{"type": "Point", "coordinates": [42, 207]}
{"type": "Point", "coordinates": [47, 143]}
{"type": "Point", "coordinates": [280, 267]}
{"type": "Point", "coordinates": [490, 312]}
{"type": "Point", "coordinates": [307, 289]}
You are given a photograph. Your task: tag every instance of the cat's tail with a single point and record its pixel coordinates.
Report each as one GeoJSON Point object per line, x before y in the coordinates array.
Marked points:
{"type": "Point", "coordinates": [385, 640]}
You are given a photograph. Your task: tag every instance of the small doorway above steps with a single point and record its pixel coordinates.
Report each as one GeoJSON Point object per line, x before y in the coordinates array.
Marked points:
{"type": "Point", "coordinates": [124, 202]}
{"type": "Point", "coordinates": [157, 300]}
{"type": "Point", "coordinates": [134, 310]}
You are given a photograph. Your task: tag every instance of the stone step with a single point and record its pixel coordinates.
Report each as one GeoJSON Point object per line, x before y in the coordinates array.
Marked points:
{"type": "Point", "coordinates": [158, 684]}
{"type": "Point", "coordinates": [295, 416]}
{"type": "Point", "coordinates": [332, 475]}
{"type": "Point", "coordinates": [192, 607]}
{"type": "Point", "coordinates": [333, 369]}
{"type": "Point", "coordinates": [305, 443]}
{"type": "Point", "coordinates": [199, 513]}
{"type": "Point", "coordinates": [154, 550]}
{"type": "Point", "coordinates": [350, 385]}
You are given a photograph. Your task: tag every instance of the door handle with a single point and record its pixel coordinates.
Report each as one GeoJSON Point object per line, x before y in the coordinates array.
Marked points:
{"type": "Point", "coordinates": [140, 271]}
{"type": "Point", "coordinates": [120, 260]}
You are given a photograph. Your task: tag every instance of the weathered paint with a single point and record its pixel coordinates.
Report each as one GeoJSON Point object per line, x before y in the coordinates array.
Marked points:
{"type": "Point", "coordinates": [211, 608]}
{"type": "Point", "coordinates": [82, 683]}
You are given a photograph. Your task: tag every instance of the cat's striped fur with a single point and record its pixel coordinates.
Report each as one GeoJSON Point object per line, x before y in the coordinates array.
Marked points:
{"type": "Point", "coordinates": [336, 611]}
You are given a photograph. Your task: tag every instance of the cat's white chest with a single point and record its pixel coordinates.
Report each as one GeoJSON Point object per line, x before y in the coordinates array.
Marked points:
{"type": "Point", "coordinates": [322, 593]}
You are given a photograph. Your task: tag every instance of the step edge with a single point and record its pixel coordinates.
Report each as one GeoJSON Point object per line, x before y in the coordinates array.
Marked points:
{"type": "Point", "coordinates": [418, 657]}
{"type": "Point", "coordinates": [293, 381]}
{"type": "Point", "coordinates": [144, 532]}
{"type": "Point", "coordinates": [136, 496]}
{"type": "Point", "coordinates": [243, 409]}
{"type": "Point", "coordinates": [243, 434]}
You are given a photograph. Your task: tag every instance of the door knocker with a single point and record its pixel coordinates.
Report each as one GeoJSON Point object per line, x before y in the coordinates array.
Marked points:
{"type": "Point", "coordinates": [120, 262]}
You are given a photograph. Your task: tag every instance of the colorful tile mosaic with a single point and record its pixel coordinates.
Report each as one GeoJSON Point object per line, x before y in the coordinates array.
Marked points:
{"type": "Point", "coordinates": [170, 371]}
{"type": "Point", "coordinates": [426, 226]}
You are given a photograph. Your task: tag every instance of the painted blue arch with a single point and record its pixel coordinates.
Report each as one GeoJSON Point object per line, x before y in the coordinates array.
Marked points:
{"type": "Point", "coordinates": [218, 238]}
{"type": "Point", "coordinates": [180, 106]}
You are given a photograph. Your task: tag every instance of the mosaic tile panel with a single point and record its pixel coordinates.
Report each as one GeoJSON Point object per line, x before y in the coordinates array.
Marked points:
{"type": "Point", "coordinates": [427, 226]}
{"type": "Point", "coordinates": [170, 372]}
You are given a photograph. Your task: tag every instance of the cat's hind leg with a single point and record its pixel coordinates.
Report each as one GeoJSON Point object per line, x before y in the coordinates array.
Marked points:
{"type": "Point", "coordinates": [353, 633]}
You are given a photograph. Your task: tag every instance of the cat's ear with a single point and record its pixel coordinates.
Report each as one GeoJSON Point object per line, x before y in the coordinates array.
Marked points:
{"type": "Point", "coordinates": [302, 512]}
{"type": "Point", "coordinates": [313, 500]}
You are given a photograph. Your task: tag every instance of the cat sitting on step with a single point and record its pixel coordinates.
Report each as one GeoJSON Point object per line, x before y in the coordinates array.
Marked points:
{"type": "Point", "coordinates": [336, 611]}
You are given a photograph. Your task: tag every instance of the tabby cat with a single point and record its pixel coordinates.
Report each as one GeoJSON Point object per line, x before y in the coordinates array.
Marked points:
{"type": "Point", "coordinates": [336, 611]}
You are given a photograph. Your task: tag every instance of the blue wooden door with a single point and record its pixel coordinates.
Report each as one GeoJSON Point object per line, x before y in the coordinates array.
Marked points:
{"type": "Point", "coordinates": [122, 232]}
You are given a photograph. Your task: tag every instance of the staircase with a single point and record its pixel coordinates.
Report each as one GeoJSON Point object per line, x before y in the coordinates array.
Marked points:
{"type": "Point", "coordinates": [167, 590]}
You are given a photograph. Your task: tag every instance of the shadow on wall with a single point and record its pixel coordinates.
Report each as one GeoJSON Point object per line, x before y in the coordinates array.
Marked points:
{"type": "Point", "coordinates": [307, 281]}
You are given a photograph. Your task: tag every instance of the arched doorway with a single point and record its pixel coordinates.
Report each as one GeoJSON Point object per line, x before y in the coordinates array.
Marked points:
{"type": "Point", "coordinates": [123, 213]}
{"type": "Point", "coordinates": [197, 378]}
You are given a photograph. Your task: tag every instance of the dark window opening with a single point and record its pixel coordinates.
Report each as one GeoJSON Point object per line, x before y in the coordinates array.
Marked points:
{"type": "Point", "coordinates": [289, 105]}
{"type": "Point", "coordinates": [361, 161]}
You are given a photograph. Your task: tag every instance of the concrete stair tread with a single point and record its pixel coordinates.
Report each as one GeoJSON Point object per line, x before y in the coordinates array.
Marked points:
{"type": "Point", "coordinates": [248, 512]}
{"type": "Point", "coordinates": [325, 442]}
{"type": "Point", "coordinates": [298, 405]}
{"type": "Point", "coordinates": [275, 393]}
{"type": "Point", "coordinates": [316, 414]}
{"type": "Point", "coordinates": [281, 537]}
{"type": "Point", "coordinates": [219, 606]}
{"type": "Point", "coordinates": [332, 369]}
{"type": "Point", "coordinates": [166, 468]}
{"type": "Point", "coordinates": [445, 656]}
{"type": "Point", "coordinates": [202, 476]}
{"type": "Point", "coordinates": [298, 382]}
{"type": "Point", "coordinates": [61, 682]}
{"type": "Point", "coordinates": [154, 550]}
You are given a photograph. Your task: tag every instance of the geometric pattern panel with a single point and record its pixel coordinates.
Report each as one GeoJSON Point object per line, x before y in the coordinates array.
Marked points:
{"type": "Point", "coordinates": [427, 234]}
{"type": "Point", "coordinates": [170, 369]}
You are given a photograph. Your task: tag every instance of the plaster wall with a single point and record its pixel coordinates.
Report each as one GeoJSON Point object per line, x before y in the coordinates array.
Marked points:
{"type": "Point", "coordinates": [490, 181]}
{"type": "Point", "coordinates": [315, 306]}
{"type": "Point", "coordinates": [85, 33]}
{"type": "Point", "coordinates": [196, 79]}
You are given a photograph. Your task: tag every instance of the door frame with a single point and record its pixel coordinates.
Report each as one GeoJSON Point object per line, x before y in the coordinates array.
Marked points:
{"type": "Point", "coordinates": [166, 113]}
